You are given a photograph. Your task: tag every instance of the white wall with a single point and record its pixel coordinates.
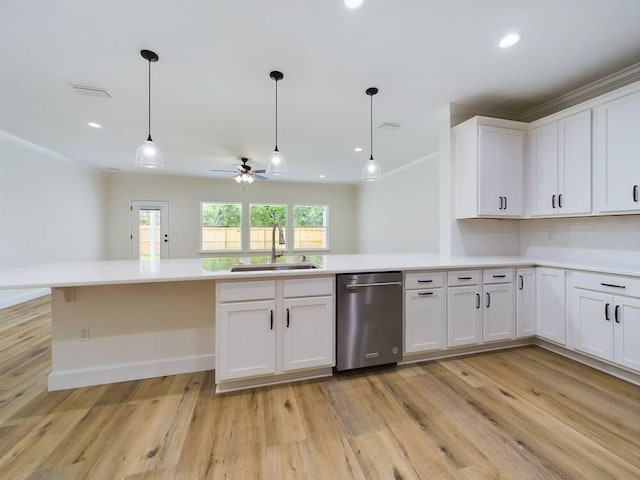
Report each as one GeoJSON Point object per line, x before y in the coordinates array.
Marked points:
{"type": "Point", "coordinates": [611, 239]}
{"type": "Point", "coordinates": [184, 195]}
{"type": "Point", "coordinates": [51, 209]}
{"type": "Point", "coordinates": [400, 212]}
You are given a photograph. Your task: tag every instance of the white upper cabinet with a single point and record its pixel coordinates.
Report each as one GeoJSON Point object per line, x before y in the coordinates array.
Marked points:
{"type": "Point", "coordinates": [559, 155]}
{"type": "Point", "coordinates": [489, 168]}
{"type": "Point", "coordinates": [617, 154]}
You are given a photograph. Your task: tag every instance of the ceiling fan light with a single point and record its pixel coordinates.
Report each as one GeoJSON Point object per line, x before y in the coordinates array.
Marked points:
{"type": "Point", "coordinates": [277, 164]}
{"type": "Point", "coordinates": [238, 178]}
{"type": "Point", "coordinates": [250, 179]}
{"type": "Point", "coordinates": [149, 155]}
{"type": "Point", "coordinates": [371, 171]}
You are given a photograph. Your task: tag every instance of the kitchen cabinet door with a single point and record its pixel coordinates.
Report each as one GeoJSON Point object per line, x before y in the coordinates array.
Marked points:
{"type": "Point", "coordinates": [308, 332]}
{"type": "Point", "coordinates": [544, 174]}
{"type": "Point", "coordinates": [500, 157]}
{"type": "Point", "coordinates": [591, 316]}
{"type": "Point", "coordinates": [550, 304]}
{"type": "Point", "coordinates": [245, 339]}
{"type": "Point", "coordinates": [425, 326]}
{"type": "Point", "coordinates": [617, 154]}
{"type": "Point", "coordinates": [626, 317]}
{"type": "Point", "coordinates": [498, 316]}
{"type": "Point", "coordinates": [525, 302]}
{"type": "Point", "coordinates": [464, 316]}
{"type": "Point", "coordinates": [574, 164]}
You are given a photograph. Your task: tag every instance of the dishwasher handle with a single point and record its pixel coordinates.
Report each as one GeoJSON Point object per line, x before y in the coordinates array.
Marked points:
{"type": "Point", "coordinates": [380, 284]}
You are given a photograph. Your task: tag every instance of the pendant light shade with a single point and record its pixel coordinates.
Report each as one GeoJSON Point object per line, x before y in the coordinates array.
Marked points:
{"type": "Point", "coordinates": [277, 164]}
{"type": "Point", "coordinates": [371, 170]}
{"type": "Point", "coordinates": [148, 154]}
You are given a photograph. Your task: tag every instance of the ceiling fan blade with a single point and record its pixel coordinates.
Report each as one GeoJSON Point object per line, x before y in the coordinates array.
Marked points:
{"type": "Point", "coordinates": [259, 171]}
{"type": "Point", "coordinates": [260, 177]}
{"type": "Point", "coordinates": [222, 171]}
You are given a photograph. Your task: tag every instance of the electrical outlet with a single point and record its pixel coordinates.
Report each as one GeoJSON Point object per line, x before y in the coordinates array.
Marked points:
{"type": "Point", "coordinates": [84, 334]}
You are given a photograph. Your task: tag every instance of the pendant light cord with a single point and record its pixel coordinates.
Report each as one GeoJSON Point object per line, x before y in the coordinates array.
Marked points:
{"type": "Point", "coordinates": [276, 149]}
{"type": "Point", "coordinates": [371, 132]}
{"type": "Point", "coordinates": [149, 136]}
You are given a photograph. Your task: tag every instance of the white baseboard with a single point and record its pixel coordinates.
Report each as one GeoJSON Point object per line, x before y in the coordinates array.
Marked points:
{"type": "Point", "coordinates": [9, 298]}
{"type": "Point", "coordinates": [84, 377]}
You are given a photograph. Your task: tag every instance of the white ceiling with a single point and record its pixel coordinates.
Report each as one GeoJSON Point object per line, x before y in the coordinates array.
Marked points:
{"type": "Point", "coordinates": [213, 99]}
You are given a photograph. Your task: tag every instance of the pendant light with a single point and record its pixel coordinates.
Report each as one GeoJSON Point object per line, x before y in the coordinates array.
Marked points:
{"type": "Point", "coordinates": [277, 164]}
{"type": "Point", "coordinates": [371, 170]}
{"type": "Point", "coordinates": [148, 154]}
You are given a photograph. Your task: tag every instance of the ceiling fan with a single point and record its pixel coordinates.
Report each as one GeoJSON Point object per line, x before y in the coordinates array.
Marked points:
{"type": "Point", "coordinates": [244, 172]}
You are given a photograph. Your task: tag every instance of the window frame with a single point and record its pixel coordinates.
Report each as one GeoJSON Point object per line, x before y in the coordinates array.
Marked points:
{"type": "Point", "coordinates": [284, 227]}
{"type": "Point", "coordinates": [241, 227]}
{"type": "Point", "coordinates": [326, 229]}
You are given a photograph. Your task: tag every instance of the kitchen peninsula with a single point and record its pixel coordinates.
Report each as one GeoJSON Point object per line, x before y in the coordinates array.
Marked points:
{"type": "Point", "coordinates": [124, 320]}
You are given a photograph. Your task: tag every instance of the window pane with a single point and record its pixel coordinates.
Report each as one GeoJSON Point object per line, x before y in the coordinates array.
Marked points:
{"type": "Point", "coordinates": [309, 227]}
{"type": "Point", "coordinates": [221, 226]}
{"type": "Point", "coordinates": [263, 218]}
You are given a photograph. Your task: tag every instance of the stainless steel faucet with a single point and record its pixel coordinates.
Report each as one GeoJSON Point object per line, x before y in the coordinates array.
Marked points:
{"type": "Point", "coordinates": [275, 255]}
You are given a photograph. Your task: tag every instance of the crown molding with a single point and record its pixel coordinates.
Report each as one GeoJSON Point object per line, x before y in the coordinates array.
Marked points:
{"type": "Point", "coordinates": [611, 82]}
{"type": "Point", "coordinates": [9, 137]}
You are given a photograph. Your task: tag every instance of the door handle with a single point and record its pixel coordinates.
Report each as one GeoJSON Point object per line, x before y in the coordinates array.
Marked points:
{"type": "Point", "coordinates": [500, 207]}
{"type": "Point", "coordinates": [381, 284]}
{"type": "Point", "coordinates": [560, 201]}
{"type": "Point", "coordinates": [477, 300]}
{"type": "Point", "coordinates": [287, 318]}
{"type": "Point", "coordinates": [606, 312]}
{"type": "Point", "coordinates": [635, 193]}
{"type": "Point", "coordinates": [505, 203]}
{"type": "Point", "coordinates": [271, 324]}
{"type": "Point", "coordinates": [616, 314]}
{"type": "Point", "coordinates": [488, 299]}
{"type": "Point", "coordinates": [521, 282]}
{"type": "Point", "coordinates": [553, 200]}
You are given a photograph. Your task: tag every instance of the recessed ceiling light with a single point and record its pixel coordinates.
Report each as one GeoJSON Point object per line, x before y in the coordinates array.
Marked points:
{"type": "Point", "coordinates": [509, 40]}
{"type": "Point", "coordinates": [357, 149]}
{"type": "Point", "coordinates": [353, 3]}
{"type": "Point", "coordinates": [94, 125]}
{"type": "Point", "coordinates": [322, 176]}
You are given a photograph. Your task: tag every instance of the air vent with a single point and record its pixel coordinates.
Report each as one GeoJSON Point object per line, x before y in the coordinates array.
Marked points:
{"type": "Point", "coordinates": [389, 126]}
{"type": "Point", "coordinates": [90, 91]}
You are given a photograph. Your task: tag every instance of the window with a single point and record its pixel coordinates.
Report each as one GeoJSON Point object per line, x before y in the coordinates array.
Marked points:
{"type": "Point", "coordinates": [309, 227]}
{"type": "Point", "coordinates": [263, 217]}
{"type": "Point", "coordinates": [221, 225]}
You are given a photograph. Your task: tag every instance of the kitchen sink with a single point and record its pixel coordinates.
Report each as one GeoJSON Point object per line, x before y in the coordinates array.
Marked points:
{"type": "Point", "coordinates": [273, 266]}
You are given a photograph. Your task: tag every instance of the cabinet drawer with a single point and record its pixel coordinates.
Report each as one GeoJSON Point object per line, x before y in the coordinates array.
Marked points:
{"type": "Point", "coordinates": [497, 275]}
{"type": "Point", "coordinates": [308, 287]}
{"type": "Point", "coordinates": [244, 291]}
{"type": "Point", "coordinates": [613, 284]}
{"type": "Point", "coordinates": [423, 280]}
{"type": "Point", "coordinates": [463, 277]}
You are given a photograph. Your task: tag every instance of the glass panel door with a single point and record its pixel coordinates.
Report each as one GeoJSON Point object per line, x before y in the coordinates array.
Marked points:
{"type": "Point", "coordinates": [149, 230]}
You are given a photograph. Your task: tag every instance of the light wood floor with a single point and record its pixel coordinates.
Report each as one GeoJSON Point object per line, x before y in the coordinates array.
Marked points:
{"type": "Point", "coordinates": [517, 414]}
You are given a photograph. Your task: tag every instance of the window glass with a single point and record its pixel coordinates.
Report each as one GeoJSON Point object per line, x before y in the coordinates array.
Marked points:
{"type": "Point", "coordinates": [221, 225]}
{"type": "Point", "coordinates": [309, 227]}
{"type": "Point", "coordinates": [263, 218]}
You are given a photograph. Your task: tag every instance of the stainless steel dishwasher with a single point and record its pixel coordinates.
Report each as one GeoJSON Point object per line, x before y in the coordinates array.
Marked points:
{"type": "Point", "coordinates": [369, 319]}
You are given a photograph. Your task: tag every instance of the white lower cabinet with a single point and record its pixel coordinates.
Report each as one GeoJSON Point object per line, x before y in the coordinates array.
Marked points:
{"type": "Point", "coordinates": [246, 340]}
{"type": "Point", "coordinates": [258, 337]}
{"type": "Point", "coordinates": [424, 327]}
{"type": "Point", "coordinates": [498, 313]}
{"type": "Point", "coordinates": [605, 324]}
{"type": "Point", "coordinates": [308, 333]}
{"type": "Point", "coordinates": [525, 302]}
{"type": "Point", "coordinates": [550, 305]}
{"type": "Point", "coordinates": [464, 316]}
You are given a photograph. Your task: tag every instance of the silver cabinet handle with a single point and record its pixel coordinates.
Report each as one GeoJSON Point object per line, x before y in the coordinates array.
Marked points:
{"type": "Point", "coordinates": [381, 284]}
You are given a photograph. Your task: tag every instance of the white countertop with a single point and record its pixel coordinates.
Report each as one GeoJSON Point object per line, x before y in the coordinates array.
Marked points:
{"type": "Point", "coordinates": [72, 274]}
